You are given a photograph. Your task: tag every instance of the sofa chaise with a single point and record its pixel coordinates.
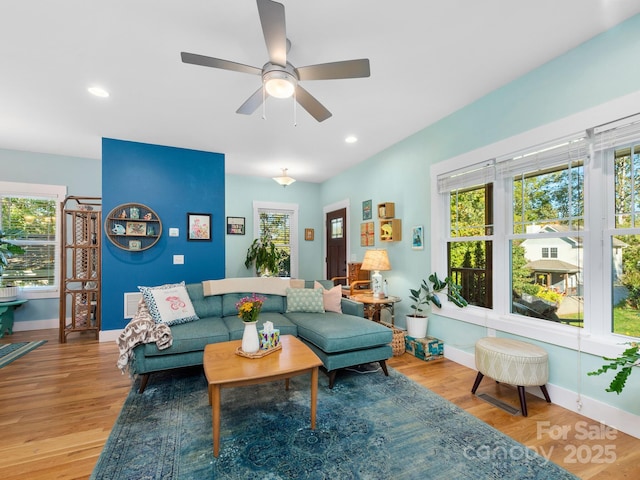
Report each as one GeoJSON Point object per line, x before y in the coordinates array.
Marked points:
{"type": "Point", "coordinates": [341, 338]}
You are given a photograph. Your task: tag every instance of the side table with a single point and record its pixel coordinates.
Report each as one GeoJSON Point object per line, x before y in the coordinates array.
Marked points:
{"type": "Point", "coordinates": [373, 306]}
{"type": "Point", "coordinates": [6, 315]}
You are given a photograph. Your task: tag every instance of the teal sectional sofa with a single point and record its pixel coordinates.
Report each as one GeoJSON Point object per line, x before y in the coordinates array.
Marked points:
{"type": "Point", "coordinates": [339, 339]}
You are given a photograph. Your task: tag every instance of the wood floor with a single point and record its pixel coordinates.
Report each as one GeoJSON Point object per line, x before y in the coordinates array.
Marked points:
{"type": "Point", "coordinates": [59, 402]}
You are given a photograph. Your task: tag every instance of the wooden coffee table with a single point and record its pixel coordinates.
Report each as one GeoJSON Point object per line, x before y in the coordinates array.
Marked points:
{"type": "Point", "coordinates": [224, 369]}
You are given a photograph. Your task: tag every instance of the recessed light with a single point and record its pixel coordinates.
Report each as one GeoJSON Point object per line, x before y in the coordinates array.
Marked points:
{"type": "Point", "coordinates": [98, 92]}
{"type": "Point", "coordinates": [351, 139]}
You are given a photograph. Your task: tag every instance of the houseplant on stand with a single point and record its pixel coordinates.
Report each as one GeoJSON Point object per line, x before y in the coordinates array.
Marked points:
{"type": "Point", "coordinates": [417, 322]}
{"type": "Point", "coordinates": [265, 256]}
{"type": "Point", "coordinates": [249, 310]}
{"type": "Point", "coordinates": [8, 249]}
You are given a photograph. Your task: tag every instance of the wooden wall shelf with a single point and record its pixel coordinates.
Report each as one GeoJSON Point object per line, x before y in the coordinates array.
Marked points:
{"type": "Point", "coordinates": [386, 210]}
{"type": "Point", "coordinates": [391, 230]}
{"type": "Point", "coordinates": [133, 227]}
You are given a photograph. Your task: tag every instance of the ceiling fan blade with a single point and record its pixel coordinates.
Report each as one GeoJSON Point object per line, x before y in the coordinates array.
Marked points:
{"type": "Point", "coordinates": [252, 103]}
{"type": "Point", "coordinates": [274, 29]}
{"type": "Point", "coordinates": [205, 61]}
{"type": "Point", "coordinates": [331, 71]}
{"type": "Point", "coordinates": [311, 105]}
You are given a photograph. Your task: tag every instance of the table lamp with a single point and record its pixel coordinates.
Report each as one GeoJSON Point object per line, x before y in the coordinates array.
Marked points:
{"type": "Point", "coordinates": [376, 260]}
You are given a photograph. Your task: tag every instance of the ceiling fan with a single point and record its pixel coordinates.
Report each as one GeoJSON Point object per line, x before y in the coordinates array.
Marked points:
{"type": "Point", "coordinates": [280, 78]}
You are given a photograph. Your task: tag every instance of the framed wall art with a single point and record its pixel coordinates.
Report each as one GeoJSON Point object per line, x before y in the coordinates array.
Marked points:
{"type": "Point", "coordinates": [235, 225]}
{"type": "Point", "coordinates": [308, 234]}
{"type": "Point", "coordinates": [367, 234]}
{"type": "Point", "coordinates": [366, 210]}
{"type": "Point", "coordinates": [199, 227]}
{"type": "Point", "coordinates": [417, 238]}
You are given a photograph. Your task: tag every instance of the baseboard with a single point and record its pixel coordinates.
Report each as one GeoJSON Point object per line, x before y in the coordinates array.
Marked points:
{"type": "Point", "coordinates": [109, 335]}
{"type": "Point", "coordinates": [586, 406]}
{"type": "Point", "coordinates": [27, 325]}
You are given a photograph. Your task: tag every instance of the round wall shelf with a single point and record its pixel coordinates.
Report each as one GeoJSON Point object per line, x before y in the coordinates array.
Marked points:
{"type": "Point", "coordinates": [133, 227]}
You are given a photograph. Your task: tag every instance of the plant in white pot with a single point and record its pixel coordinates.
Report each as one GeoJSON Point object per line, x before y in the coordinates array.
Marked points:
{"type": "Point", "coordinates": [425, 294]}
{"type": "Point", "coordinates": [8, 249]}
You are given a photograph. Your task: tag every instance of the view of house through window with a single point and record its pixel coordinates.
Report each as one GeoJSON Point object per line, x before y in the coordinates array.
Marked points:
{"type": "Point", "coordinates": [546, 248]}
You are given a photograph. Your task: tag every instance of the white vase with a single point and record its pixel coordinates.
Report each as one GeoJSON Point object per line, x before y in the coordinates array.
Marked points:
{"type": "Point", "coordinates": [417, 326]}
{"type": "Point", "coordinates": [250, 340]}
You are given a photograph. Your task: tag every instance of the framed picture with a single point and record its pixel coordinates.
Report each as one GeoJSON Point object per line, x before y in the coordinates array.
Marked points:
{"type": "Point", "coordinates": [308, 234]}
{"type": "Point", "coordinates": [366, 210]}
{"type": "Point", "coordinates": [235, 225]}
{"type": "Point", "coordinates": [199, 227]}
{"type": "Point", "coordinates": [135, 244]}
{"type": "Point", "coordinates": [136, 228]}
{"type": "Point", "coordinates": [367, 234]}
{"type": "Point", "coordinates": [417, 238]}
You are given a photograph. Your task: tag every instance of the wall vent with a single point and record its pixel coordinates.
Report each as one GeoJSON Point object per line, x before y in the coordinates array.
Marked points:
{"type": "Point", "coordinates": [131, 300]}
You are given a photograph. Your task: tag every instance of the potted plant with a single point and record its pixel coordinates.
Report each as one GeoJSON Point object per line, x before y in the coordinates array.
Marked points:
{"type": "Point", "coordinates": [425, 294]}
{"type": "Point", "coordinates": [8, 249]}
{"type": "Point", "coordinates": [265, 256]}
{"type": "Point", "coordinates": [626, 361]}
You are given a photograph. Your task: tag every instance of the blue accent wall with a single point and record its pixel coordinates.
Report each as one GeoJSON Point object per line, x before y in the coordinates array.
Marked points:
{"type": "Point", "coordinates": [172, 182]}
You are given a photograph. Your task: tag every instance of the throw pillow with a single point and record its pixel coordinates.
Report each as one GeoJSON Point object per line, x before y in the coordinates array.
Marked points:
{"type": "Point", "coordinates": [332, 298]}
{"type": "Point", "coordinates": [169, 304]}
{"type": "Point", "coordinates": [308, 300]}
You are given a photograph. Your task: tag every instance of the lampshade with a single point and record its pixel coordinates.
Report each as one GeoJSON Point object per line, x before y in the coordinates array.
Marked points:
{"type": "Point", "coordinates": [284, 179]}
{"type": "Point", "coordinates": [376, 260]}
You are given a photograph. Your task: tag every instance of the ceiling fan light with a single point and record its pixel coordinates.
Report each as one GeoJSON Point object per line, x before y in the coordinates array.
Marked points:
{"type": "Point", "coordinates": [279, 84]}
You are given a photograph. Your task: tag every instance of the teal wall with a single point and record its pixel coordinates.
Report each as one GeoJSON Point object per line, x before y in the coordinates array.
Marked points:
{"type": "Point", "coordinates": [242, 191]}
{"type": "Point", "coordinates": [598, 71]}
{"type": "Point", "coordinates": [81, 176]}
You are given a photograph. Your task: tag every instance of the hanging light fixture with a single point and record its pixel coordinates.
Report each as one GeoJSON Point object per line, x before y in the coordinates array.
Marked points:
{"type": "Point", "coordinates": [284, 179]}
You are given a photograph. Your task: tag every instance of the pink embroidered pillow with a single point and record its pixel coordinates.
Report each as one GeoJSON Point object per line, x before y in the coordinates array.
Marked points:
{"type": "Point", "coordinates": [331, 298]}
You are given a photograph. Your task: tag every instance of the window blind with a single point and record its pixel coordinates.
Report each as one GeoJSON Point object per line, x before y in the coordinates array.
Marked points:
{"type": "Point", "coordinates": [477, 174]}
{"type": "Point", "coordinates": [616, 134]}
{"type": "Point", "coordinates": [542, 157]}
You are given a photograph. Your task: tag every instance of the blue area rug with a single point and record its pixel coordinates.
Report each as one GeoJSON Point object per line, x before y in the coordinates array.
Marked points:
{"type": "Point", "coordinates": [12, 351]}
{"type": "Point", "coordinates": [368, 427]}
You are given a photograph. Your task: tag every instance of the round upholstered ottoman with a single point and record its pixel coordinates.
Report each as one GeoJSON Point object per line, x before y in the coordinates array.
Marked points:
{"type": "Point", "coordinates": [513, 362]}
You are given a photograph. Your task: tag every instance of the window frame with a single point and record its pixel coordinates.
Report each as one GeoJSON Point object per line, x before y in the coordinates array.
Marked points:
{"type": "Point", "coordinates": [58, 194]}
{"type": "Point", "coordinates": [291, 209]}
{"type": "Point", "coordinates": [595, 338]}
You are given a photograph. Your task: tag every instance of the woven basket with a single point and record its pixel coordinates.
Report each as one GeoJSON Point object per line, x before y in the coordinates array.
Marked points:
{"type": "Point", "coordinates": [397, 343]}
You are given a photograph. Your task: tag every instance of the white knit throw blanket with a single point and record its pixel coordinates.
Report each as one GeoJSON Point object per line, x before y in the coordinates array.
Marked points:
{"type": "Point", "coordinates": [141, 329]}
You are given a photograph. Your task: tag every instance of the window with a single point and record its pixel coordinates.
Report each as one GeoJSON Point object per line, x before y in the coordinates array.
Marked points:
{"type": "Point", "coordinates": [618, 148]}
{"type": "Point", "coordinates": [470, 231]}
{"type": "Point", "coordinates": [278, 222]}
{"type": "Point", "coordinates": [468, 252]}
{"type": "Point", "coordinates": [33, 211]}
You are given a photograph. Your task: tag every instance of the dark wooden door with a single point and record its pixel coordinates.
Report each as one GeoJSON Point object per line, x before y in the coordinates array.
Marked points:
{"type": "Point", "coordinates": [336, 227]}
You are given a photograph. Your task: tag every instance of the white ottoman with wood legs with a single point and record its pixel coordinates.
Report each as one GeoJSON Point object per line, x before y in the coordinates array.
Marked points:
{"type": "Point", "coordinates": [513, 362]}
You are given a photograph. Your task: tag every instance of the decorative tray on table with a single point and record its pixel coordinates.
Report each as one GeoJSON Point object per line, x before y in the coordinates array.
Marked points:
{"type": "Point", "coordinates": [259, 353]}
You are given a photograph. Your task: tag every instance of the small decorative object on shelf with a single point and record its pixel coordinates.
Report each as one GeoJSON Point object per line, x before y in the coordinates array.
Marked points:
{"type": "Point", "coordinates": [386, 210]}
{"type": "Point", "coordinates": [391, 230]}
{"type": "Point", "coordinates": [133, 220]}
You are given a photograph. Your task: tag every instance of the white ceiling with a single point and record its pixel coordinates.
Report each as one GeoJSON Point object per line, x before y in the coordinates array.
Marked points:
{"type": "Point", "coordinates": [428, 59]}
